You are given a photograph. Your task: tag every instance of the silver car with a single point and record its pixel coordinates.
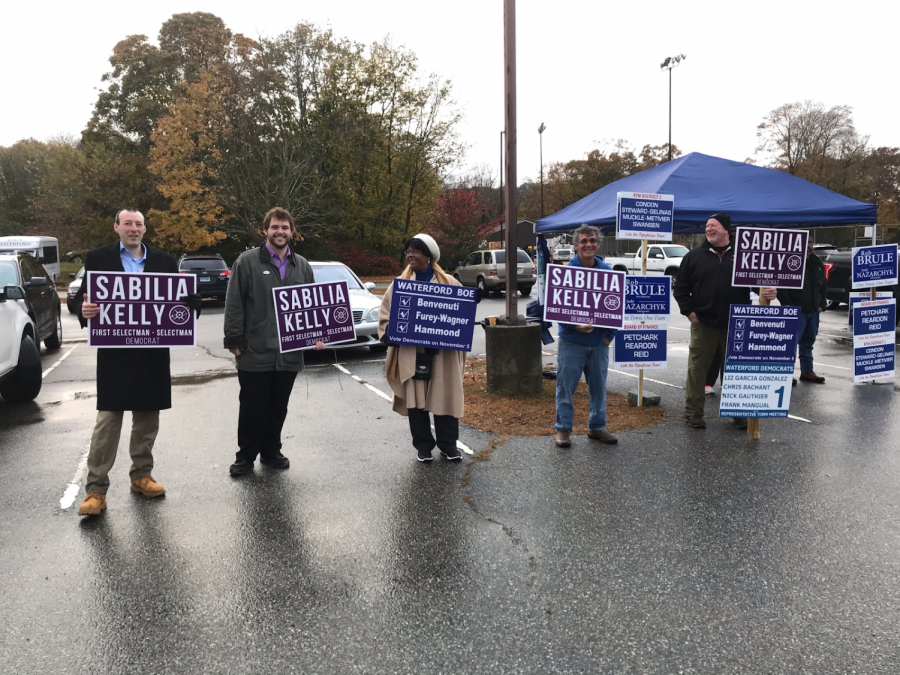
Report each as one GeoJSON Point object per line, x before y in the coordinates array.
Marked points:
{"type": "Point", "coordinates": [486, 269]}
{"type": "Point", "coordinates": [365, 305]}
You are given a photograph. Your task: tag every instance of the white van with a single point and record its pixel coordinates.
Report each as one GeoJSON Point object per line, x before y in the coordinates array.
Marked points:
{"type": "Point", "coordinates": [44, 249]}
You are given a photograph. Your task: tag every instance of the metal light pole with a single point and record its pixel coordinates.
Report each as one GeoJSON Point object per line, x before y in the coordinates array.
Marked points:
{"type": "Point", "coordinates": [669, 64]}
{"type": "Point", "coordinates": [541, 137]}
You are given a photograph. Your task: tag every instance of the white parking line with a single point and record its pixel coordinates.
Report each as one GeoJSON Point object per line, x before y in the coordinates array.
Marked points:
{"type": "Point", "coordinates": [459, 444]}
{"type": "Point", "coordinates": [74, 485]}
{"type": "Point", "coordinates": [57, 362]}
{"type": "Point", "coordinates": [646, 379]}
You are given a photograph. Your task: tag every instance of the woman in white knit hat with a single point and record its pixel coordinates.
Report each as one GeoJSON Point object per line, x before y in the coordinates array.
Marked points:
{"type": "Point", "coordinates": [442, 394]}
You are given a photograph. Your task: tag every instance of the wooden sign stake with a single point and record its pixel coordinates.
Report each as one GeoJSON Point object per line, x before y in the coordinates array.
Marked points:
{"type": "Point", "coordinates": [753, 422]}
{"type": "Point", "coordinates": [640, 398]}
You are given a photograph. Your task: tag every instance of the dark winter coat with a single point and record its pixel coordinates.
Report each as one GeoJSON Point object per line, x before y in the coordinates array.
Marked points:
{"type": "Point", "coordinates": [250, 321]}
{"type": "Point", "coordinates": [811, 298]}
{"type": "Point", "coordinates": [703, 285]}
{"type": "Point", "coordinates": [131, 378]}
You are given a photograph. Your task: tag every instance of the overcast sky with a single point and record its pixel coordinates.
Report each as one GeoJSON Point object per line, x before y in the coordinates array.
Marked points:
{"type": "Point", "coordinates": [588, 70]}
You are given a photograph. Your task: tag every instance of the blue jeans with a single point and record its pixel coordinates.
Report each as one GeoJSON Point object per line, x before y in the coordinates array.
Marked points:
{"type": "Point", "coordinates": [809, 329]}
{"type": "Point", "coordinates": [572, 360]}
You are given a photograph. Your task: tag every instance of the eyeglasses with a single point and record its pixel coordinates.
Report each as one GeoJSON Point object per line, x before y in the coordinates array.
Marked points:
{"type": "Point", "coordinates": [587, 241]}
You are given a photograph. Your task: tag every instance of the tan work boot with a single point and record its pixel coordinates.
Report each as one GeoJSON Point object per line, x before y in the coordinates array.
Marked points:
{"type": "Point", "coordinates": [603, 436]}
{"type": "Point", "coordinates": [147, 487]}
{"type": "Point", "coordinates": [94, 503]}
{"type": "Point", "coordinates": [562, 439]}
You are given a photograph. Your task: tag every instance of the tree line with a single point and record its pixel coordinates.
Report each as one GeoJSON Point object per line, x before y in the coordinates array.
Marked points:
{"type": "Point", "coordinates": [207, 129]}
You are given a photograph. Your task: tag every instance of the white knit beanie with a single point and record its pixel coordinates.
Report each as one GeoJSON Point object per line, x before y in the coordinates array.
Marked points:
{"type": "Point", "coordinates": [429, 241]}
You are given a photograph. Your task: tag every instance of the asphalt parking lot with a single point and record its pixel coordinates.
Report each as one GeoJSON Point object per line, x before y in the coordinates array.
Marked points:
{"type": "Point", "coordinates": [675, 551]}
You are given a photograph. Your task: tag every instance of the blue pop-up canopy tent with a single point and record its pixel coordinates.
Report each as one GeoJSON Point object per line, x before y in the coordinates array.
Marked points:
{"type": "Point", "coordinates": [704, 185]}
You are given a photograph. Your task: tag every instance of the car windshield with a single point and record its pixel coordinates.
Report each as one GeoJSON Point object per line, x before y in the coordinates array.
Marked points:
{"type": "Point", "coordinates": [521, 256]}
{"type": "Point", "coordinates": [80, 274]}
{"type": "Point", "coordinates": [8, 276]}
{"type": "Point", "coordinates": [335, 273]}
{"type": "Point", "coordinates": [675, 251]}
{"type": "Point", "coordinates": [203, 264]}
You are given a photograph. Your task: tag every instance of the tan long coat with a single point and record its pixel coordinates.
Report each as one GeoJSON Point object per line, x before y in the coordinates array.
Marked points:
{"type": "Point", "coordinates": [443, 393]}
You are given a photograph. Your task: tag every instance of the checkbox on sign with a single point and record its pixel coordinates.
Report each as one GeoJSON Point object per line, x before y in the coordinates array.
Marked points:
{"type": "Point", "coordinates": [403, 313]}
{"type": "Point", "coordinates": [401, 327]}
{"type": "Point", "coordinates": [738, 335]}
{"type": "Point", "coordinates": [739, 324]}
{"type": "Point", "coordinates": [738, 346]}
{"type": "Point", "coordinates": [404, 302]}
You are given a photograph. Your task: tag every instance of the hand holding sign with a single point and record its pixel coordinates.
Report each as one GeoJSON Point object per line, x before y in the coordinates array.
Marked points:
{"type": "Point", "coordinates": [88, 309]}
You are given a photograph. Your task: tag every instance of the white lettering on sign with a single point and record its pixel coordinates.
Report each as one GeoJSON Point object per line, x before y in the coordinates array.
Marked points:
{"type": "Point", "coordinates": [146, 287]}
{"type": "Point", "coordinates": [792, 242]}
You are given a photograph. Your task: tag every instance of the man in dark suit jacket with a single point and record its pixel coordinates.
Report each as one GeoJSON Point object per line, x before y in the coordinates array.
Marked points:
{"type": "Point", "coordinates": [135, 379]}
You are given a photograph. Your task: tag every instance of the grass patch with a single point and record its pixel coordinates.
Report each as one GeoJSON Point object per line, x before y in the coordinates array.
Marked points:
{"type": "Point", "coordinates": [536, 415]}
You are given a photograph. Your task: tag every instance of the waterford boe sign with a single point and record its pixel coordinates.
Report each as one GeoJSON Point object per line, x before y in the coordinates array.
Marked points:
{"type": "Point", "coordinates": [439, 316]}
{"type": "Point", "coordinates": [141, 309]}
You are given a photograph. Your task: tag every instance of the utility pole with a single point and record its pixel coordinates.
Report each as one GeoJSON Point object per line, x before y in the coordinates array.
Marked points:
{"type": "Point", "coordinates": [509, 58]}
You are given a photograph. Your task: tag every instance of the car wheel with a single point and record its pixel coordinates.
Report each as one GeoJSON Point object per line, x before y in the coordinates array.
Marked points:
{"type": "Point", "coordinates": [378, 349]}
{"type": "Point", "coordinates": [54, 341]}
{"type": "Point", "coordinates": [25, 385]}
{"type": "Point", "coordinates": [671, 272]}
{"type": "Point", "coordinates": [833, 304]}
{"type": "Point", "coordinates": [480, 285]}
{"type": "Point", "coordinates": [525, 291]}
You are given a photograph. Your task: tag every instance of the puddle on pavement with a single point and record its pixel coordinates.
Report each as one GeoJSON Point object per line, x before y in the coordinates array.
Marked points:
{"type": "Point", "coordinates": [202, 378]}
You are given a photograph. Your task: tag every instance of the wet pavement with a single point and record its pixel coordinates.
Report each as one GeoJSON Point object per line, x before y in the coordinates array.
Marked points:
{"type": "Point", "coordinates": [675, 551]}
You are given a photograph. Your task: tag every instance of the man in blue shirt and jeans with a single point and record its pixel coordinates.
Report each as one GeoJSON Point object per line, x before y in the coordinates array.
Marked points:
{"type": "Point", "coordinates": [583, 349]}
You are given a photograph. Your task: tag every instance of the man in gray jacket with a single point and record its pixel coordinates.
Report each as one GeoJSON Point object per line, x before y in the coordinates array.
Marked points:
{"type": "Point", "coordinates": [265, 374]}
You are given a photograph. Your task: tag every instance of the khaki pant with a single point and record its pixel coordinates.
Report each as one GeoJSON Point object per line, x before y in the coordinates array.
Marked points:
{"type": "Point", "coordinates": [705, 340]}
{"type": "Point", "coordinates": [105, 443]}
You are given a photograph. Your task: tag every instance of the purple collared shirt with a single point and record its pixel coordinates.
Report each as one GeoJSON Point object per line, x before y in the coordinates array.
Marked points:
{"type": "Point", "coordinates": [279, 263]}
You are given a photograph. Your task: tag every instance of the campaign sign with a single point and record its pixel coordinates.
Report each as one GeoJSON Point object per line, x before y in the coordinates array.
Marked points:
{"type": "Point", "coordinates": [772, 258]}
{"type": "Point", "coordinates": [439, 316]}
{"type": "Point", "coordinates": [859, 296]}
{"type": "Point", "coordinates": [583, 295]}
{"type": "Point", "coordinates": [644, 216]}
{"type": "Point", "coordinates": [311, 312]}
{"type": "Point", "coordinates": [141, 309]}
{"type": "Point", "coordinates": [874, 324]}
{"type": "Point", "coordinates": [640, 346]}
{"type": "Point", "coordinates": [648, 298]}
{"type": "Point", "coordinates": [759, 361]}
{"type": "Point", "coordinates": [874, 266]}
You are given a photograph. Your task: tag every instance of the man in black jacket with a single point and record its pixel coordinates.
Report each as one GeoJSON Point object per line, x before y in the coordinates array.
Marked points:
{"type": "Point", "coordinates": [811, 300]}
{"type": "Point", "coordinates": [704, 294]}
{"type": "Point", "coordinates": [135, 379]}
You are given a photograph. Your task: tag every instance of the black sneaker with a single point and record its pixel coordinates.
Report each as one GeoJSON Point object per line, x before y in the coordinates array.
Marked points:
{"type": "Point", "coordinates": [425, 456]}
{"type": "Point", "coordinates": [279, 462]}
{"type": "Point", "coordinates": [740, 422]}
{"type": "Point", "coordinates": [696, 422]}
{"type": "Point", "coordinates": [452, 454]}
{"type": "Point", "coordinates": [241, 467]}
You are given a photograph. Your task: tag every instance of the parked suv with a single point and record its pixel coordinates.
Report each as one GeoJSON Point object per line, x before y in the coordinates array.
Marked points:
{"type": "Point", "coordinates": [211, 271]}
{"type": "Point", "coordinates": [486, 270]}
{"type": "Point", "coordinates": [20, 360]}
{"type": "Point", "coordinates": [41, 301]}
